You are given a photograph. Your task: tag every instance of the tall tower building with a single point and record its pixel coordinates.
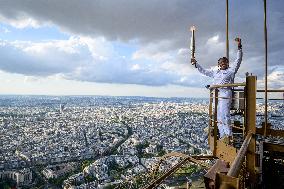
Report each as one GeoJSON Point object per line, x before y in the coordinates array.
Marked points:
{"type": "Point", "coordinates": [85, 137]}
{"type": "Point", "coordinates": [61, 108]}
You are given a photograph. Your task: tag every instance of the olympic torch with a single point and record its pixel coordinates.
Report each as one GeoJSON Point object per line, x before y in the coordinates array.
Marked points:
{"type": "Point", "coordinates": [192, 44]}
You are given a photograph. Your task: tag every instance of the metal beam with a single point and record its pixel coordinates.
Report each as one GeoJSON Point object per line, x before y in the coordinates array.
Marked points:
{"type": "Point", "coordinates": [250, 126]}
{"type": "Point", "coordinates": [271, 90]}
{"type": "Point", "coordinates": [158, 181]}
{"type": "Point", "coordinates": [215, 131]}
{"type": "Point", "coordinates": [226, 182]}
{"type": "Point", "coordinates": [227, 29]}
{"type": "Point", "coordinates": [237, 164]}
{"type": "Point", "coordinates": [265, 40]}
{"type": "Point", "coordinates": [219, 167]}
{"type": "Point", "coordinates": [210, 118]}
{"type": "Point", "coordinates": [273, 147]}
{"type": "Point", "coordinates": [270, 131]}
{"type": "Point", "coordinates": [228, 85]}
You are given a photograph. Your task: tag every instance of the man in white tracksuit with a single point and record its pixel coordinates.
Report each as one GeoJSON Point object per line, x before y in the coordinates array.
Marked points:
{"type": "Point", "coordinates": [224, 75]}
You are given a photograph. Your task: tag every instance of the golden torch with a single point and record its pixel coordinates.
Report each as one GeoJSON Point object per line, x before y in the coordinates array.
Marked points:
{"type": "Point", "coordinates": [192, 44]}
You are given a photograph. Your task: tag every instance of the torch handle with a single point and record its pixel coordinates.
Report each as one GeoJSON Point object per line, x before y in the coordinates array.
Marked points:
{"type": "Point", "coordinates": [192, 43]}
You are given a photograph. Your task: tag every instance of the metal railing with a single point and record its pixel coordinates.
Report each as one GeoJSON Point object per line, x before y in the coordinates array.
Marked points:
{"type": "Point", "coordinates": [237, 161]}
{"type": "Point", "coordinates": [246, 157]}
{"type": "Point", "coordinates": [243, 163]}
{"type": "Point", "coordinates": [266, 127]}
{"type": "Point", "coordinates": [213, 106]}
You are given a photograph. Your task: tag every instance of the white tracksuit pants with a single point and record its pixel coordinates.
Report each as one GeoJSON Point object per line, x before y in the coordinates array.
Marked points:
{"type": "Point", "coordinates": [223, 112]}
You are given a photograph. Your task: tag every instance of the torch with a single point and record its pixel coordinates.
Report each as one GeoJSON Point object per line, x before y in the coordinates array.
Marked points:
{"type": "Point", "coordinates": [192, 44]}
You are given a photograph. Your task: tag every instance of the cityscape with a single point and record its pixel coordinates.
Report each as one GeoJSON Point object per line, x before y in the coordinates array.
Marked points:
{"type": "Point", "coordinates": [99, 141]}
{"type": "Point", "coordinates": [51, 137]}
{"type": "Point", "coordinates": [177, 94]}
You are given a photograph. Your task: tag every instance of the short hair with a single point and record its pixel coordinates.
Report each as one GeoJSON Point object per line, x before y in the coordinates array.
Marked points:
{"type": "Point", "coordinates": [224, 59]}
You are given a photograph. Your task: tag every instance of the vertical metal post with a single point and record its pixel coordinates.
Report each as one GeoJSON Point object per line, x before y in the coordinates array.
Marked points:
{"type": "Point", "coordinates": [227, 29]}
{"type": "Point", "coordinates": [265, 40]}
{"type": "Point", "coordinates": [215, 121]}
{"type": "Point", "coordinates": [250, 126]}
{"type": "Point", "coordinates": [210, 116]}
{"type": "Point", "coordinates": [245, 111]}
{"type": "Point", "coordinates": [260, 160]}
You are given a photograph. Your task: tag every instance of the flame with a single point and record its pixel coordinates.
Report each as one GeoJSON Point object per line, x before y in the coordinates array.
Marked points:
{"type": "Point", "coordinates": [192, 28]}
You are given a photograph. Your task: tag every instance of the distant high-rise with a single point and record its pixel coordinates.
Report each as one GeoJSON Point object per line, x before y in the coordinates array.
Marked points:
{"type": "Point", "coordinates": [61, 108]}
{"type": "Point", "coordinates": [85, 137]}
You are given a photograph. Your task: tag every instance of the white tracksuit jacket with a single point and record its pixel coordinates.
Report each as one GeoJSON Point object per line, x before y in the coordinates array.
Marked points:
{"type": "Point", "coordinates": [224, 77]}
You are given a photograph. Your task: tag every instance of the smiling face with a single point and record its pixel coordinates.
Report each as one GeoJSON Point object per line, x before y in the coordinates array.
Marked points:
{"type": "Point", "coordinates": [223, 63]}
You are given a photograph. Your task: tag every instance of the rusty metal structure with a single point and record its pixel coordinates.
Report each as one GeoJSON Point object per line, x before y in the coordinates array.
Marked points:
{"type": "Point", "coordinates": [245, 163]}
{"type": "Point", "coordinates": [254, 159]}
{"type": "Point", "coordinates": [253, 148]}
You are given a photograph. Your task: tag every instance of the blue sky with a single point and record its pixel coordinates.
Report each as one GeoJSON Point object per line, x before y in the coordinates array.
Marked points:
{"type": "Point", "coordinates": [43, 33]}
{"type": "Point", "coordinates": [124, 47]}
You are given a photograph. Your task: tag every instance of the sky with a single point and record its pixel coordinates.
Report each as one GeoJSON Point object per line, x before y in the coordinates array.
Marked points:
{"type": "Point", "coordinates": [131, 47]}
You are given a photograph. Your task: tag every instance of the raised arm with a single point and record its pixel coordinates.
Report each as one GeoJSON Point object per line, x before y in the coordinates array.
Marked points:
{"type": "Point", "coordinates": [208, 73]}
{"type": "Point", "coordinates": [236, 65]}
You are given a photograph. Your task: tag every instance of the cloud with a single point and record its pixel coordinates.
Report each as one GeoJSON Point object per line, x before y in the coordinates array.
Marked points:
{"type": "Point", "coordinates": [160, 51]}
{"type": "Point", "coordinates": [158, 28]}
{"type": "Point", "coordinates": [88, 59]}
{"type": "Point", "coordinates": [122, 19]}
{"type": "Point", "coordinates": [96, 60]}
{"type": "Point", "coordinates": [22, 21]}
{"type": "Point", "coordinates": [146, 21]}
{"type": "Point", "coordinates": [275, 79]}
{"type": "Point", "coordinates": [41, 59]}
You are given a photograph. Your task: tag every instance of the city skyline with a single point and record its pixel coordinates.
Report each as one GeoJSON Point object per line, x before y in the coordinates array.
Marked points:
{"type": "Point", "coordinates": [130, 48]}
